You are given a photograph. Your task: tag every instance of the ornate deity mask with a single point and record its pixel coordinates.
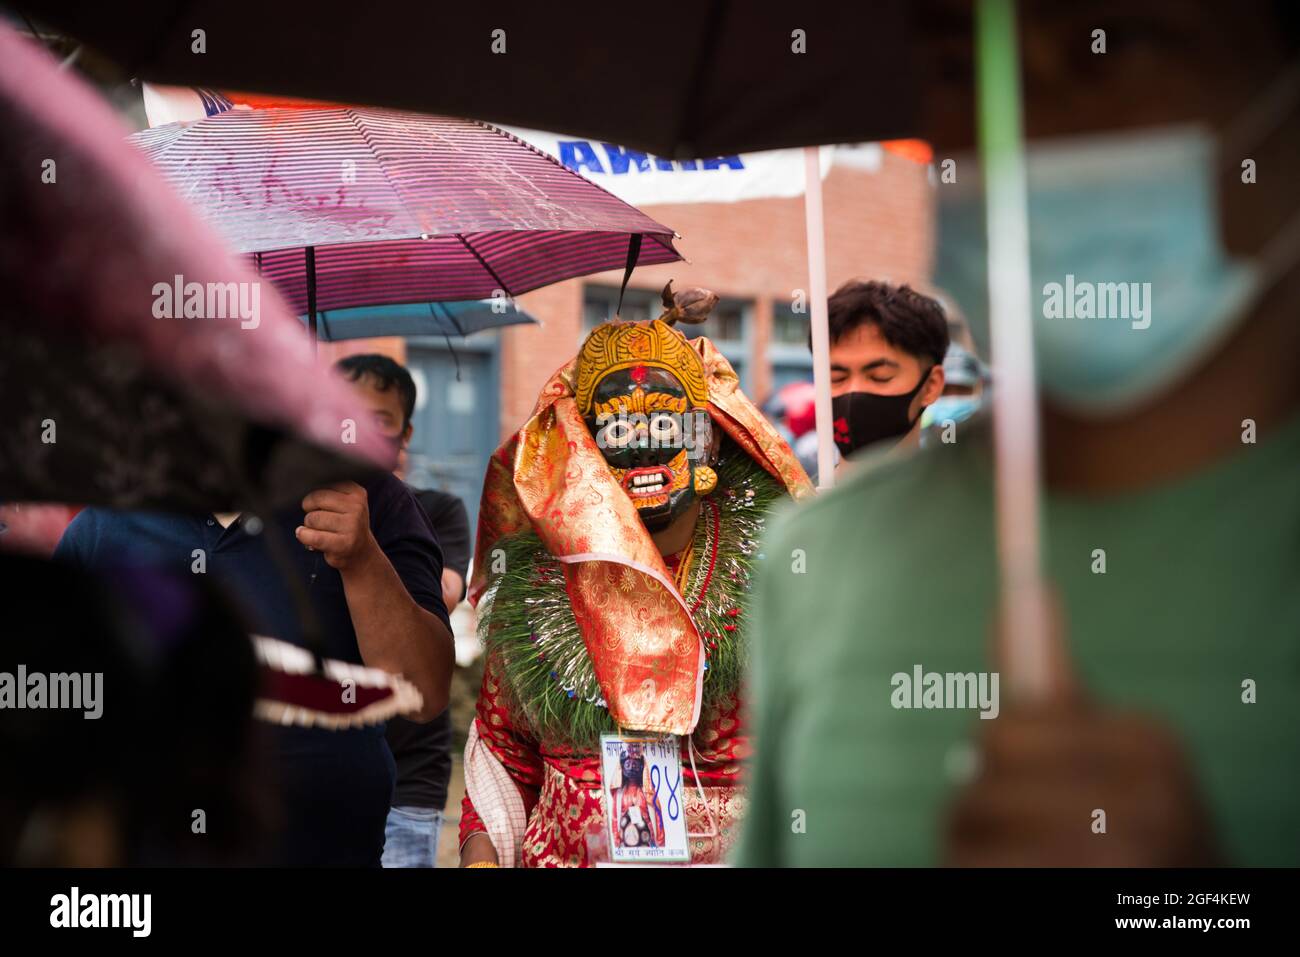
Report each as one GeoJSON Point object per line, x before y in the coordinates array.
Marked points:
{"type": "Point", "coordinates": [641, 389]}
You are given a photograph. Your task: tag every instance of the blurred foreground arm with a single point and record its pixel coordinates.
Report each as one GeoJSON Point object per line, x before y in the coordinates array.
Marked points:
{"type": "Point", "coordinates": [1065, 782]}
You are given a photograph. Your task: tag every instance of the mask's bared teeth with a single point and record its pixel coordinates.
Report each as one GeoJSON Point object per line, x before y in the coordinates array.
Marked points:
{"type": "Point", "coordinates": [649, 484]}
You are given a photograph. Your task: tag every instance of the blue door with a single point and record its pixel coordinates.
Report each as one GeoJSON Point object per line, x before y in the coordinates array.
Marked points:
{"type": "Point", "coordinates": [456, 419]}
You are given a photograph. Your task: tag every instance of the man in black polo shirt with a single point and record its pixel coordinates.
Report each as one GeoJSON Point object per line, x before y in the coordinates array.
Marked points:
{"type": "Point", "coordinates": [372, 570]}
{"type": "Point", "coordinates": [422, 751]}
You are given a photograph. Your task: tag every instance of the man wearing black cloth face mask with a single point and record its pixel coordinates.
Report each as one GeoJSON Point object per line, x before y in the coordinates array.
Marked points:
{"type": "Point", "coordinates": [887, 349]}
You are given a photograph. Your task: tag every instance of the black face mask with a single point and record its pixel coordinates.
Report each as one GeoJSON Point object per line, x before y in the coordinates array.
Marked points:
{"type": "Point", "coordinates": [863, 418]}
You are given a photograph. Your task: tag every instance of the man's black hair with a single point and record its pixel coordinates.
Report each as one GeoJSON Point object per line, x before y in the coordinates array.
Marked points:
{"type": "Point", "coordinates": [386, 375]}
{"type": "Point", "coordinates": [907, 319]}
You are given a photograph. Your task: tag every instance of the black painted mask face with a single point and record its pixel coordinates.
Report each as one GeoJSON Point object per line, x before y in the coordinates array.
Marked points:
{"type": "Point", "coordinates": [633, 767]}
{"type": "Point", "coordinates": [651, 439]}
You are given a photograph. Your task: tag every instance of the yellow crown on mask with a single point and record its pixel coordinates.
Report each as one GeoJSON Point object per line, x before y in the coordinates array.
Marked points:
{"type": "Point", "coordinates": [622, 345]}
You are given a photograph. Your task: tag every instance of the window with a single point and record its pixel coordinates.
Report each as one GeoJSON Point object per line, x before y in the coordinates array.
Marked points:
{"type": "Point", "coordinates": [600, 303]}
{"type": "Point", "coordinates": [727, 324]}
{"type": "Point", "coordinates": [788, 350]}
{"type": "Point", "coordinates": [789, 327]}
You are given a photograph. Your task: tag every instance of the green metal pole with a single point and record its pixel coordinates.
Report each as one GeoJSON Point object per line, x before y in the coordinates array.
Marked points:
{"type": "Point", "coordinates": [1024, 619]}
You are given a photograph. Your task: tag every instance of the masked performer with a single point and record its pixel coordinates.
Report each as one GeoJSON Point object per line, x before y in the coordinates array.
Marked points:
{"type": "Point", "coordinates": [617, 534]}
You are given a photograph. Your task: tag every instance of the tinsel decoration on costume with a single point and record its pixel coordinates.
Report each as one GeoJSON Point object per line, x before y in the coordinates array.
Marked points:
{"type": "Point", "coordinates": [527, 620]}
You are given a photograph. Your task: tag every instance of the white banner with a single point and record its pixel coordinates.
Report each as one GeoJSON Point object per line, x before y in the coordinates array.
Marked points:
{"type": "Point", "coordinates": [638, 178]}
{"type": "Point", "coordinates": [643, 179]}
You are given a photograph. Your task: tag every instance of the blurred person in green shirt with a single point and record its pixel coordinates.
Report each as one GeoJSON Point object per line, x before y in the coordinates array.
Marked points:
{"type": "Point", "coordinates": [1171, 512]}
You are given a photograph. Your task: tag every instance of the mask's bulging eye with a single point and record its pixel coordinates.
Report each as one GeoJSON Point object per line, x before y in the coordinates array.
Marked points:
{"type": "Point", "coordinates": [665, 429]}
{"type": "Point", "coordinates": [617, 434]}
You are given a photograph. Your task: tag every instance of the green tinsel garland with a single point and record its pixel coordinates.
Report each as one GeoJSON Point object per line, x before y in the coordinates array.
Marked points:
{"type": "Point", "coordinates": [526, 619]}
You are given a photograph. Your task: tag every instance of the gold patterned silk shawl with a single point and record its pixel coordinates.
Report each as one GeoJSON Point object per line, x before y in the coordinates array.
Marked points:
{"type": "Point", "coordinates": [551, 477]}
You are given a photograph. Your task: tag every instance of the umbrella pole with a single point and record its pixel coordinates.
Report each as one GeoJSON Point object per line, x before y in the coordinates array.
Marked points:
{"type": "Point", "coordinates": [1024, 612]}
{"type": "Point", "coordinates": [310, 252]}
{"type": "Point", "coordinates": [821, 343]}
{"type": "Point", "coordinates": [460, 330]}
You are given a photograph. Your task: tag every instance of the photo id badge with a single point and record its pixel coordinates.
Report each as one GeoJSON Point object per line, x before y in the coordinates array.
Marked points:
{"type": "Point", "coordinates": [645, 804]}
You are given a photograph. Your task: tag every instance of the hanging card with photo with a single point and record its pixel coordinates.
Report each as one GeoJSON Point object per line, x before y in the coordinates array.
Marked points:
{"type": "Point", "coordinates": [641, 781]}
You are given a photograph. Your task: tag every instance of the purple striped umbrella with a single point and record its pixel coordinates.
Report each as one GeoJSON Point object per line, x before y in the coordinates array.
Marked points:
{"type": "Point", "coordinates": [382, 207]}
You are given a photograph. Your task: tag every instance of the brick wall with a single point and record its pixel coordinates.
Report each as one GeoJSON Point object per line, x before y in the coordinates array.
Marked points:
{"type": "Point", "coordinates": [879, 224]}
